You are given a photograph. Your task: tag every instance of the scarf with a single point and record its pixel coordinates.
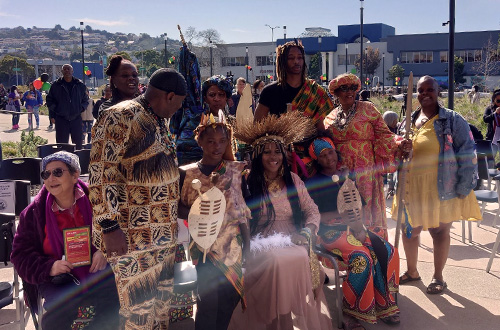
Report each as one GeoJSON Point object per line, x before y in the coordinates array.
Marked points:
{"type": "Point", "coordinates": [313, 101]}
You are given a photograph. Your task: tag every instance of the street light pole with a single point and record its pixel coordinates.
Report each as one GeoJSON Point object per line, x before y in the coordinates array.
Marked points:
{"type": "Point", "coordinates": [272, 31]}
{"type": "Point", "coordinates": [246, 61]}
{"type": "Point", "coordinates": [451, 57]}
{"type": "Point", "coordinates": [211, 58]}
{"type": "Point", "coordinates": [361, 44]}
{"type": "Point", "coordinates": [83, 54]}
{"type": "Point", "coordinates": [383, 73]}
{"type": "Point", "coordinates": [166, 57]}
{"type": "Point", "coordinates": [320, 61]}
{"type": "Point", "coordinates": [17, 75]}
{"type": "Point", "coordinates": [346, 57]}
{"type": "Point", "coordinates": [284, 32]}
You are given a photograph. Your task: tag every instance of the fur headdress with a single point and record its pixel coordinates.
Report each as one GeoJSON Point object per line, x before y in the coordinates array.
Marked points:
{"type": "Point", "coordinates": [290, 127]}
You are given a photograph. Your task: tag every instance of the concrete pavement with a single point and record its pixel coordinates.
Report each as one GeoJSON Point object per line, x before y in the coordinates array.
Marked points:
{"type": "Point", "coordinates": [472, 300]}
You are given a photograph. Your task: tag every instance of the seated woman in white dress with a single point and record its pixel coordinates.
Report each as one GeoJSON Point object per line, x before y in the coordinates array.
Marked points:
{"type": "Point", "coordinates": [283, 284]}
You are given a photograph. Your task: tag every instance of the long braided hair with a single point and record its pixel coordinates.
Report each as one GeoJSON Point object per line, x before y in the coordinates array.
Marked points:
{"type": "Point", "coordinates": [259, 196]}
{"type": "Point", "coordinates": [282, 52]}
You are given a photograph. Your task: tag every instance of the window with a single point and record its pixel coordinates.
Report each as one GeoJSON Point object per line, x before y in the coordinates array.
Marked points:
{"type": "Point", "coordinates": [351, 58]}
{"type": "Point", "coordinates": [469, 55]}
{"type": "Point", "coordinates": [264, 60]}
{"type": "Point", "coordinates": [443, 56]}
{"type": "Point", "coordinates": [233, 61]}
{"type": "Point", "coordinates": [416, 57]}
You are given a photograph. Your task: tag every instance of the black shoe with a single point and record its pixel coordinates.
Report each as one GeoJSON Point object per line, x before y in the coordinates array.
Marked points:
{"type": "Point", "coordinates": [327, 280]}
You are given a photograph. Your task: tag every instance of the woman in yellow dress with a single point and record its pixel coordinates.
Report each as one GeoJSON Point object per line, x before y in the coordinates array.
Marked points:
{"type": "Point", "coordinates": [438, 188]}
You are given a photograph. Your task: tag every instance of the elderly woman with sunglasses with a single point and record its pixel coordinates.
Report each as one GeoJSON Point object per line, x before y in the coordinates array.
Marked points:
{"type": "Point", "coordinates": [367, 146]}
{"type": "Point", "coordinates": [75, 295]}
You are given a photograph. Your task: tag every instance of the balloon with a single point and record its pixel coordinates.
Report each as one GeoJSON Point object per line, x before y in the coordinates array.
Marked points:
{"type": "Point", "coordinates": [45, 86]}
{"type": "Point", "coordinates": [85, 68]}
{"type": "Point", "coordinates": [88, 72]}
{"type": "Point", "coordinates": [37, 84]}
{"type": "Point", "coordinates": [44, 77]}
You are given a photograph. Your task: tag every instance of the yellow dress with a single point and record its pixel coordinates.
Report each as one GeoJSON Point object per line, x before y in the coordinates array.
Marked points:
{"type": "Point", "coordinates": [423, 205]}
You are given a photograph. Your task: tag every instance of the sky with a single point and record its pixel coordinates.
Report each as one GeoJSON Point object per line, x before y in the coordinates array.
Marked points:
{"type": "Point", "coordinates": [245, 21]}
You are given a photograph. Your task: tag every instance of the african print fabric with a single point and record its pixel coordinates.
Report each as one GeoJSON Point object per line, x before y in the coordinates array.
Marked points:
{"type": "Point", "coordinates": [367, 287]}
{"type": "Point", "coordinates": [134, 186]}
{"type": "Point", "coordinates": [367, 148]}
{"type": "Point", "coordinates": [313, 101]}
{"type": "Point", "coordinates": [226, 252]}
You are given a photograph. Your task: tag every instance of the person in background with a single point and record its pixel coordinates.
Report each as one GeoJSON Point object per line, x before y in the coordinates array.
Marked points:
{"type": "Point", "coordinates": [106, 95]}
{"type": "Point", "coordinates": [474, 95]}
{"type": "Point", "coordinates": [235, 98]}
{"type": "Point", "coordinates": [491, 117]}
{"type": "Point", "coordinates": [87, 120]}
{"type": "Point", "coordinates": [476, 133]}
{"type": "Point", "coordinates": [123, 79]}
{"type": "Point", "coordinates": [74, 296]}
{"type": "Point", "coordinates": [3, 96]}
{"type": "Point", "coordinates": [15, 105]}
{"type": "Point", "coordinates": [66, 100]}
{"type": "Point", "coordinates": [438, 187]}
{"type": "Point", "coordinates": [365, 96]}
{"type": "Point", "coordinates": [257, 88]}
{"type": "Point", "coordinates": [391, 120]}
{"type": "Point", "coordinates": [33, 100]}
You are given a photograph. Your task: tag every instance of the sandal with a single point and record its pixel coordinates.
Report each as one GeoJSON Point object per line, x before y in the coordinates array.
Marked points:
{"type": "Point", "coordinates": [436, 286]}
{"type": "Point", "coordinates": [352, 324]}
{"type": "Point", "coordinates": [392, 320]}
{"type": "Point", "coordinates": [407, 278]}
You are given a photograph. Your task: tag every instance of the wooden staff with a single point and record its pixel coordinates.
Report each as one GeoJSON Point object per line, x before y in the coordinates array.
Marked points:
{"type": "Point", "coordinates": [404, 167]}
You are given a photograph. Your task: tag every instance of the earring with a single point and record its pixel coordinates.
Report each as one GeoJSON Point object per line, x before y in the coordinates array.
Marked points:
{"type": "Point", "coordinates": [281, 170]}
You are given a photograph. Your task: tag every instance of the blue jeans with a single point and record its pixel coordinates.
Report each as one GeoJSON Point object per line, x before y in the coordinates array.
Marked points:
{"type": "Point", "coordinates": [87, 129]}
{"type": "Point", "coordinates": [15, 118]}
{"type": "Point", "coordinates": [35, 111]}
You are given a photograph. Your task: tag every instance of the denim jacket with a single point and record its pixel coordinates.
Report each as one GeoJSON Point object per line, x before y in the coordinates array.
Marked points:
{"type": "Point", "coordinates": [457, 165]}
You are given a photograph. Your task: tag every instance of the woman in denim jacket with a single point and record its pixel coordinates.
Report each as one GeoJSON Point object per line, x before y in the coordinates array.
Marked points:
{"type": "Point", "coordinates": [438, 188]}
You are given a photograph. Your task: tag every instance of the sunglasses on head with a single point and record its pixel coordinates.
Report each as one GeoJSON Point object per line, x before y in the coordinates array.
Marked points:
{"type": "Point", "coordinates": [345, 88]}
{"type": "Point", "coordinates": [57, 172]}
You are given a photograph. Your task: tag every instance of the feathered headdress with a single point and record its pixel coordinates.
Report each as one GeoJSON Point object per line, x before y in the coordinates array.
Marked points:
{"type": "Point", "coordinates": [290, 127]}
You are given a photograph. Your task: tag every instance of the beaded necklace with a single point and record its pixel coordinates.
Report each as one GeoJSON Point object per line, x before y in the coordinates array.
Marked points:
{"type": "Point", "coordinates": [343, 118]}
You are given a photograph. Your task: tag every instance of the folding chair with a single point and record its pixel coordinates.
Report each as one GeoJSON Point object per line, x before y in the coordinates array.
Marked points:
{"type": "Point", "coordinates": [493, 252]}
{"type": "Point", "coordinates": [11, 291]}
{"type": "Point", "coordinates": [484, 147]}
{"type": "Point", "coordinates": [185, 276]}
{"type": "Point", "coordinates": [322, 252]}
{"type": "Point", "coordinates": [49, 149]}
{"type": "Point", "coordinates": [483, 195]}
{"type": "Point", "coordinates": [23, 169]}
{"type": "Point", "coordinates": [84, 156]}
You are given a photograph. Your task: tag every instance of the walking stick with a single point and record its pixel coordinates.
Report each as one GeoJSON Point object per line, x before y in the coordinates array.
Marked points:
{"type": "Point", "coordinates": [404, 167]}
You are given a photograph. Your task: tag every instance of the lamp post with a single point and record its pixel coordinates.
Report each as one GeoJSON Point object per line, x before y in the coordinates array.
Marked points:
{"type": "Point", "coordinates": [83, 53]}
{"type": "Point", "coordinates": [346, 57]}
{"type": "Point", "coordinates": [361, 43]}
{"type": "Point", "coordinates": [211, 58]}
{"type": "Point", "coordinates": [284, 32]}
{"type": "Point", "coordinates": [246, 60]}
{"type": "Point", "coordinates": [451, 56]}
{"type": "Point", "coordinates": [320, 61]}
{"type": "Point", "coordinates": [166, 56]}
{"type": "Point", "coordinates": [383, 73]}
{"type": "Point", "coordinates": [272, 31]}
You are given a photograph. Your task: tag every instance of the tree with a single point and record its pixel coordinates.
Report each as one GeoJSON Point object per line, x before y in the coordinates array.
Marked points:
{"type": "Point", "coordinates": [8, 63]}
{"type": "Point", "coordinates": [58, 27]}
{"type": "Point", "coordinates": [190, 34]}
{"type": "Point", "coordinates": [394, 72]}
{"type": "Point", "coordinates": [458, 70]}
{"type": "Point", "coordinates": [125, 55]}
{"type": "Point", "coordinates": [487, 62]}
{"type": "Point", "coordinates": [371, 61]}
{"type": "Point", "coordinates": [314, 69]}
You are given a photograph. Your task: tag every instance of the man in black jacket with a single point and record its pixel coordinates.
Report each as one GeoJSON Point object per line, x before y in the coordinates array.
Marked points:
{"type": "Point", "coordinates": [66, 100]}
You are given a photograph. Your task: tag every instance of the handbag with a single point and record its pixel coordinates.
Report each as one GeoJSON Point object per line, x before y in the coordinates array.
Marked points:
{"type": "Point", "coordinates": [10, 107]}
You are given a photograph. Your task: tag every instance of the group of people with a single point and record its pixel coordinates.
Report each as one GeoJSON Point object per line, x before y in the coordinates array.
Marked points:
{"type": "Point", "coordinates": [261, 272]}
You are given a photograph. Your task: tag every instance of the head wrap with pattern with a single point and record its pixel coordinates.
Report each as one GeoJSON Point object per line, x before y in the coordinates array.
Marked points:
{"type": "Point", "coordinates": [344, 79]}
{"type": "Point", "coordinates": [220, 81]}
{"type": "Point", "coordinates": [318, 145]}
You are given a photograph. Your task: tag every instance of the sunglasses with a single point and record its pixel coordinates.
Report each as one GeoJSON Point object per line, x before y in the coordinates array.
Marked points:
{"type": "Point", "coordinates": [58, 172]}
{"type": "Point", "coordinates": [497, 100]}
{"type": "Point", "coordinates": [345, 88]}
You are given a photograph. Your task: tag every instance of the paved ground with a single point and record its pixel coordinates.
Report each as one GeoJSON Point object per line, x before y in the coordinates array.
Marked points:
{"type": "Point", "coordinates": [7, 134]}
{"type": "Point", "coordinates": [472, 300]}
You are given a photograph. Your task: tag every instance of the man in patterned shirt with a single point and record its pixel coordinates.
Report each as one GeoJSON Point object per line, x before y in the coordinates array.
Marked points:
{"type": "Point", "coordinates": [134, 191]}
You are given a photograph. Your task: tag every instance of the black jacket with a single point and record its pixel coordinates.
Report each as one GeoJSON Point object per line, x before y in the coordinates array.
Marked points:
{"type": "Point", "coordinates": [68, 104]}
{"type": "Point", "coordinates": [488, 118]}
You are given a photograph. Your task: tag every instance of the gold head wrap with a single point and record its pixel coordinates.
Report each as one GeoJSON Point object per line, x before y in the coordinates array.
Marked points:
{"type": "Point", "coordinates": [208, 120]}
{"type": "Point", "coordinates": [344, 79]}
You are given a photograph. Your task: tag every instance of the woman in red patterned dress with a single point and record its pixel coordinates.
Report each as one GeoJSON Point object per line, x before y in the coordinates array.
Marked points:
{"type": "Point", "coordinates": [367, 146]}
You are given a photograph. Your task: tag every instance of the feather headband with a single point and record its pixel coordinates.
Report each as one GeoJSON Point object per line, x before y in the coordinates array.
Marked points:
{"type": "Point", "coordinates": [289, 128]}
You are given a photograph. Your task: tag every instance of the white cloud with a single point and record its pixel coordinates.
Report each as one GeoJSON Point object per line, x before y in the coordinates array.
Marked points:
{"type": "Point", "coordinates": [8, 15]}
{"type": "Point", "coordinates": [87, 21]}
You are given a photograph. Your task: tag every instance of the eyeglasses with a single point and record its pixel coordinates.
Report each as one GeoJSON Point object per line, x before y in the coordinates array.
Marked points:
{"type": "Point", "coordinates": [497, 100]}
{"type": "Point", "coordinates": [58, 172]}
{"type": "Point", "coordinates": [345, 88]}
